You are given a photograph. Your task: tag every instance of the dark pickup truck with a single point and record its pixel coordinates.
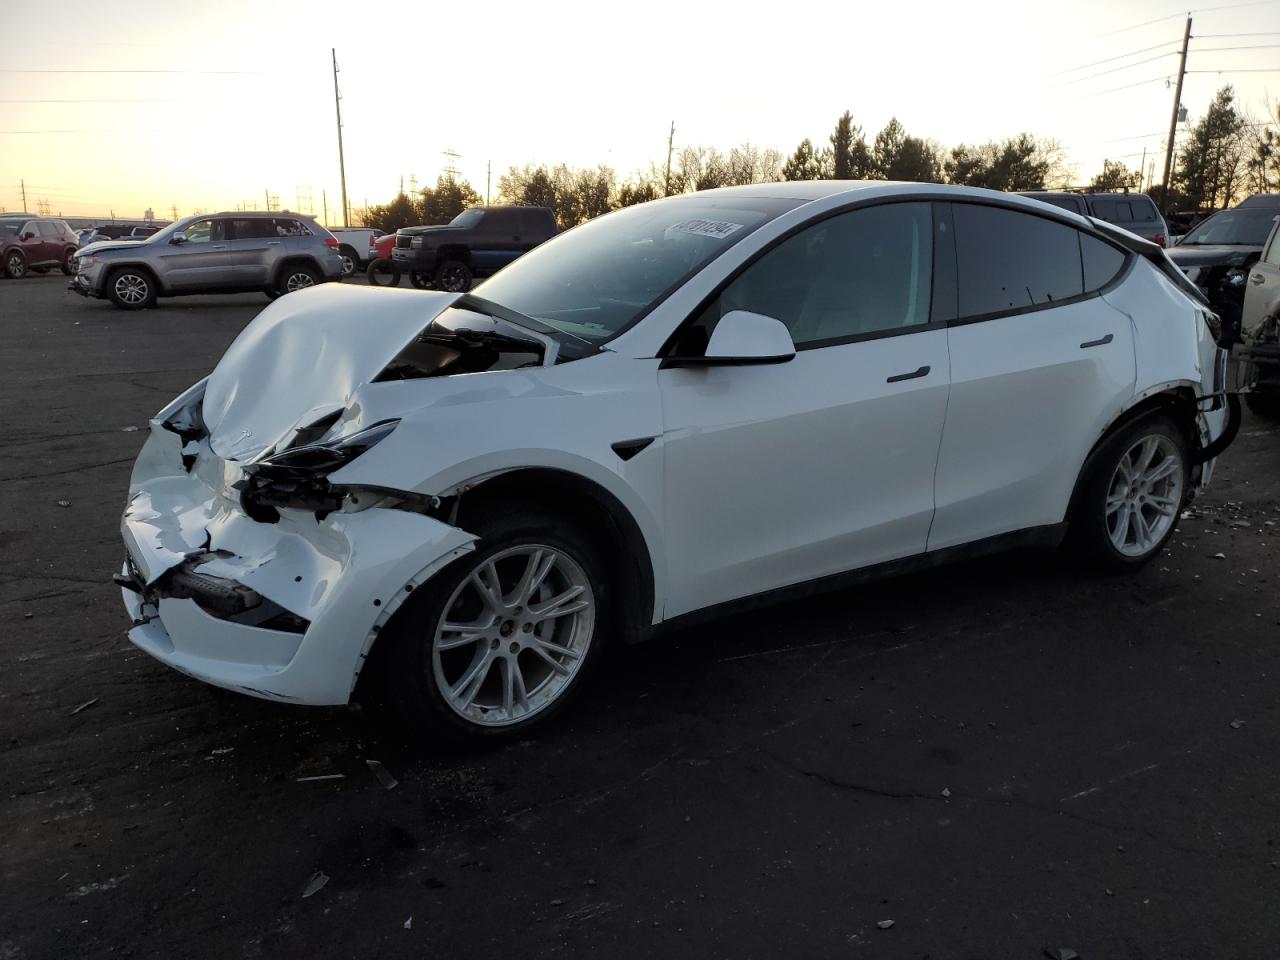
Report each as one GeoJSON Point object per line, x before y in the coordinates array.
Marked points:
{"type": "Point", "coordinates": [476, 243]}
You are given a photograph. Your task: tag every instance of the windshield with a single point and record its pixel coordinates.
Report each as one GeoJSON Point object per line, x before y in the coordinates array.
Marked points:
{"type": "Point", "coordinates": [467, 218]}
{"type": "Point", "coordinates": [599, 278]}
{"type": "Point", "coordinates": [167, 232]}
{"type": "Point", "coordinates": [1245, 228]}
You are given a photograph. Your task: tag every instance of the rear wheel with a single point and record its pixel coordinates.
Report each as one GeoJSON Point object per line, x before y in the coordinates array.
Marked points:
{"type": "Point", "coordinates": [131, 289]}
{"type": "Point", "coordinates": [297, 276]}
{"type": "Point", "coordinates": [503, 638]}
{"type": "Point", "coordinates": [1133, 494]}
{"type": "Point", "coordinates": [15, 265]}
{"type": "Point", "coordinates": [383, 273]}
{"type": "Point", "coordinates": [69, 261]}
{"type": "Point", "coordinates": [453, 276]}
{"type": "Point", "coordinates": [350, 262]}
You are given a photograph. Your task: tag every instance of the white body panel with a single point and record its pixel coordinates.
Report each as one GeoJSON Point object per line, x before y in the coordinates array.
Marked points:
{"type": "Point", "coordinates": [783, 473]}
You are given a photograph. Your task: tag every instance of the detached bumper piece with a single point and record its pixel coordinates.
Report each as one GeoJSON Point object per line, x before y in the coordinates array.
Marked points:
{"type": "Point", "coordinates": [219, 597]}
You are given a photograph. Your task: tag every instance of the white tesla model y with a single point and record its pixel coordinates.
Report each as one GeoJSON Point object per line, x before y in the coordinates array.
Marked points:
{"type": "Point", "coordinates": [701, 402]}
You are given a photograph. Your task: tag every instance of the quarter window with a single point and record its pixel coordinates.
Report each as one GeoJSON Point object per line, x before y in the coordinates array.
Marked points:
{"type": "Point", "coordinates": [857, 274]}
{"type": "Point", "coordinates": [1008, 261]}
{"type": "Point", "coordinates": [1102, 262]}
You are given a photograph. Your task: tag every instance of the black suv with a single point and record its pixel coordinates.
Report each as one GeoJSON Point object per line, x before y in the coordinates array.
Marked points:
{"type": "Point", "coordinates": [476, 243]}
{"type": "Point", "coordinates": [1218, 251]}
{"type": "Point", "coordinates": [1135, 212]}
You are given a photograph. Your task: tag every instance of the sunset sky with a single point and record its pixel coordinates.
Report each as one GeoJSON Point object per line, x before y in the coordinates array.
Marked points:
{"type": "Point", "coordinates": [579, 83]}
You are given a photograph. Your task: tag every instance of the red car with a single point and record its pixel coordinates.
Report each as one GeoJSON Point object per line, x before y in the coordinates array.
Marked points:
{"type": "Point", "coordinates": [36, 244]}
{"type": "Point", "coordinates": [382, 272]}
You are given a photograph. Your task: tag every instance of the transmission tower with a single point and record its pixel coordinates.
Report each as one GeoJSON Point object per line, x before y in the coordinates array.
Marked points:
{"type": "Point", "coordinates": [451, 158]}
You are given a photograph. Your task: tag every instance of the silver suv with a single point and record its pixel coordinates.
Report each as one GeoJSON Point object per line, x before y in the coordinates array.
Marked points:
{"type": "Point", "coordinates": [210, 253]}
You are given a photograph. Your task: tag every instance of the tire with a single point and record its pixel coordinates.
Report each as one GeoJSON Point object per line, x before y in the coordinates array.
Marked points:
{"type": "Point", "coordinates": [453, 276]}
{"type": "Point", "coordinates": [1263, 404]}
{"type": "Point", "coordinates": [131, 289]}
{"type": "Point", "coordinates": [383, 273]}
{"type": "Point", "coordinates": [296, 276]}
{"type": "Point", "coordinates": [1103, 528]}
{"type": "Point", "coordinates": [419, 678]}
{"type": "Point", "coordinates": [419, 280]}
{"type": "Point", "coordinates": [350, 262]}
{"type": "Point", "coordinates": [69, 262]}
{"type": "Point", "coordinates": [15, 265]}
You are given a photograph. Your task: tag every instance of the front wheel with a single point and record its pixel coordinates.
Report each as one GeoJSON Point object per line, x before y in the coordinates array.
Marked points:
{"type": "Point", "coordinates": [383, 273]}
{"type": "Point", "coordinates": [15, 265]}
{"type": "Point", "coordinates": [419, 279]}
{"type": "Point", "coordinates": [1133, 494]}
{"type": "Point", "coordinates": [69, 262]}
{"type": "Point", "coordinates": [453, 276]}
{"type": "Point", "coordinates": [502, 639]}
{"type": "Point", "coordinates": [350, 262]}
{"type": "Point", "coordinates": [131, 289]}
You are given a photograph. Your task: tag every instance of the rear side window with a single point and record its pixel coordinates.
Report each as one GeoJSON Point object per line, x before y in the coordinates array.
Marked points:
{"type": "Point", "coordinates": [1102, 262]}
{"type": "Point", "coordinates": [1008, 261]}
{"type": "Point", "coordinates": [1066, 203]}
{"type": "Point", "coordinates": [251, 228]}
{"type": "Point", "coordinates": [1144, 210]}
{"type": "Point", "coordinates": [1104, 208]}
{"type": "Point", "coordinates": [48, 229]}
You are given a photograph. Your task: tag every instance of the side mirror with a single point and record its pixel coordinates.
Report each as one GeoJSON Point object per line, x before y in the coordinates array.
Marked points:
{"type": "Point", "coordinates": [28, 236]}
{"type": "Point", "coordinates": [742, 337]}
{"type": "Point", "coordinates": [178, 238]}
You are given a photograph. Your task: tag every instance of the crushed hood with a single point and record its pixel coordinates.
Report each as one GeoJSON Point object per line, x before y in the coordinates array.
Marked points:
{"type": "Point", "coordinates": [305, 356]}
{"type": "Point", "coordinates": [102, 246]}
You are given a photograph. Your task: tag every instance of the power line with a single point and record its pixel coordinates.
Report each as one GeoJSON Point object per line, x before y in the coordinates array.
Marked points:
{"type": "Point", "coordinates": [1175, 16]}
{"type": "Point", "coordinates": [1220, 36]}
{"type": "Point", "coordinates": [1103, 73]}
{"type": "Point", "coordinates": [1121, 56]}
{"type": "Point", "coordinates": [1263, 46]}
{"type": "Point", "coordinates": [102, 130]}
{"type": "Point", "coordinates": [111, 100]}
{"type": "Point", "coordinates": [1238, 70]}
{"type": "Point", "coordinates": [1127, 86]}
{"type": "Point", "coordinates": [1144, 23]}
{"type": "Point", "coordinates": [207, 73]}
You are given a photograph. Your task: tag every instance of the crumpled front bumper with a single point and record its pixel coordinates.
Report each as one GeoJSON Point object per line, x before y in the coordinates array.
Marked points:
{"type": "Point", "coordinates": [333, 582]}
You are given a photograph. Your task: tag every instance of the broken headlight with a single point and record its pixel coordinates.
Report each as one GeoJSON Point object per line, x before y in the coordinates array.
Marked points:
{"type": "Point", "coordinates": [1235, 277]}
{"type": "Point", "coordinates": [299, 477]}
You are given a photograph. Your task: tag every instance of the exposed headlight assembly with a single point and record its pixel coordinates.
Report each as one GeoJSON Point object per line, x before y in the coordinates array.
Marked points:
{"type": "Point", "coordinates": [299, 477]}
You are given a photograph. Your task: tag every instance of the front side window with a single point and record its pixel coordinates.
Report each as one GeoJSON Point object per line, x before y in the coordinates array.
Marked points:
{"type": "Point", "coordinates": [1008, 261]}
{"type": "Point", "coordinates": [854, 275]}
{"type": "Point", "coordinates": [205, 231]}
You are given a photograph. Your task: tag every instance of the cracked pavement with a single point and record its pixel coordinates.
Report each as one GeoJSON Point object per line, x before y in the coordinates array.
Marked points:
{"type": "Point", "coordinates": [1000, 757]}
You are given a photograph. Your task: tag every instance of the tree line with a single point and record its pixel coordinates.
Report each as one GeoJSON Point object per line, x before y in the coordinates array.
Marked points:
{"type": "Point", "coordinates": [1225, 155]}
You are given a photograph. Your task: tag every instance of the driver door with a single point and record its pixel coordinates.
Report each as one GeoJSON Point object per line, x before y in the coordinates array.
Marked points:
{"type": "Point", "coordinates": [783, 473]}
{"type": "Point", "coordinates": [201, 262]}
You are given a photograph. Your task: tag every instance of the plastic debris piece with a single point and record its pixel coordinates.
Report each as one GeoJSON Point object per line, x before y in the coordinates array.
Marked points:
{"type": "Point", "coordinates": [557, 903]}
{"type": "Point", "coordinates": [129, 429]}
{"type": "Point", "coordinates": [220, 751]}
{"type": "Point", "coordinates": [1219, 556]}
{"type": "Point", "coordinates": [1061, 953]}
{"type": "Point", "coordinates": [315, 884]}
{"type": "Point", "coordinates": [84, 706]}
{"type": "Point", "coordinates": [884, 924]}
{"type": "Point", "coordinates": [1237, 724]}
{"type": "Point", "coordinates": [946, 792]}
{"type": "Point", "coordinates": [384, 777]}
{"type": "Point", "coordinates": [64, 503]}
{"type": "Point", "coordinates": [321, 776]}
{"type": "Point", "coordinates": [408, 924]}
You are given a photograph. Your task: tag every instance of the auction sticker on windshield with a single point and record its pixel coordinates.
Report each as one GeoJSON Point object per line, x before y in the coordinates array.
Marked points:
{"type": "Point", "coordinates": [719, 229]}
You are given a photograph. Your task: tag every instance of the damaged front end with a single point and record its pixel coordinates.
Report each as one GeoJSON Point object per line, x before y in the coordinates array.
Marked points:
{"type": "Point", "coordinates": [262, 576]}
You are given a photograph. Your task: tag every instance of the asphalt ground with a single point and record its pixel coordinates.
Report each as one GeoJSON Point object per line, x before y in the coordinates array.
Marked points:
{"type": "Point", "coordinates": [1000, 757]}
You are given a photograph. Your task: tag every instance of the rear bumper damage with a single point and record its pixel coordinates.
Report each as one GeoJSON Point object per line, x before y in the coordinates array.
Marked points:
{"type": "Point", "coordinates": [285, 610]}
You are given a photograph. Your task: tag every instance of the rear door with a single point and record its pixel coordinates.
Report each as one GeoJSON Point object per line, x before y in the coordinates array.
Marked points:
{"type": "Point", "coordinates": [1040, 363]}
{"type": "Point", "coordinates": [1262, 293]}
{"type": "Point", "coordinates": [201, 262]}
{"type": "Point", "coordinates": [50, 241]}
{"type": "Point", "coordinates": [253, 246]}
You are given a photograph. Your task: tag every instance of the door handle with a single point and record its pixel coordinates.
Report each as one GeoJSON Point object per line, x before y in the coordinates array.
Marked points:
{"type": "Point", "coordinates": [273, 243]}
{"type": "Point", "coordinates": [217, 246]}
{"type": "Point", "coordinates": [1257, 278]}
{"type": "Point", "coordinates": [922, 372]}
{"type": "Point", "coordinates": [1096, 343]}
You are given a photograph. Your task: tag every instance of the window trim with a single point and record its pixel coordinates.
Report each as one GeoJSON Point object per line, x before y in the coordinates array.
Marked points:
{"type": "Point", "coordinates": [1123, 272]}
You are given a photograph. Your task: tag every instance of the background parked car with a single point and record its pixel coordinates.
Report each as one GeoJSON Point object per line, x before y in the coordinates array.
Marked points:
{"type": "Point", "coordinates": [275, 253]}
{"type": "Point", "coordinates": [382, 271]}
{"type": "Point", "coordinates": [355, 245]}
{"type": "Point", "coordinates": [476, 243]}
{"type": "Point", "coordinates": [35, 244]}
{"type": "Point", "coordinates": [1135, 212]}
{"type": "Point", "coordinates": [1260, 329]}
{"type": "Point", "coordinates": [1218, 252]}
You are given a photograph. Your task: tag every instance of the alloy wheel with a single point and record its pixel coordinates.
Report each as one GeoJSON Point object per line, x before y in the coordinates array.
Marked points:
{"type": "Point", "coordinates": [1144, 496]}
{"type": "Point", "coordinates": [348, 265]}
{"type": "Point", "coordinates": [298, 281]}
{"type": "Point", "coordinates": [16, 266]}
{"type": "Point", "coordinates": [513, 635]}
{"type": "Point", "coordinates": [71, 262]}
{"type": "Point", "coordinates": [131, 288]}
{"type": "Point", "coordinates": [453, 280]}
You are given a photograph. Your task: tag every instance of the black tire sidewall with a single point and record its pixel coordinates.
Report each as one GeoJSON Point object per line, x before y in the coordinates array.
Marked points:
{"type": "Point", "coordinates": [408, 676]}
{"type": "Point", "coordinates": [419, 280]}
{"type": "Point", "coordinates": [7, 257]}
{"type": "Point", "coordinates": [67, 261]}
{"type": "Point", "coordinates": [380, 267]}
{"type": "Point", "coordinates": [1089, 516]}
{"type": "Point", "coordinates": [282, 288]}
{"type": "Point", "coordinates": [350, 254]}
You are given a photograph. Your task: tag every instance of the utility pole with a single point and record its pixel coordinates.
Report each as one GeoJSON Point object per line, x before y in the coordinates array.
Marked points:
{"type": "Point", "coordinates": [1173, 119]}
{"type": "Point", "coordinates": [324, 198]}
{"type": "Point", "coordinates": [342, 165]}
{"type": "Point", "coordinates": [488, 176]}
{"type": "Point", "coordinates": [175, 211]}
{"type": "Point", "coordinates": [1142, 169]}
{"type": "Point", "coordinates": [24, 196]}
{"type": "Point", "coordinates": [666, 188]}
